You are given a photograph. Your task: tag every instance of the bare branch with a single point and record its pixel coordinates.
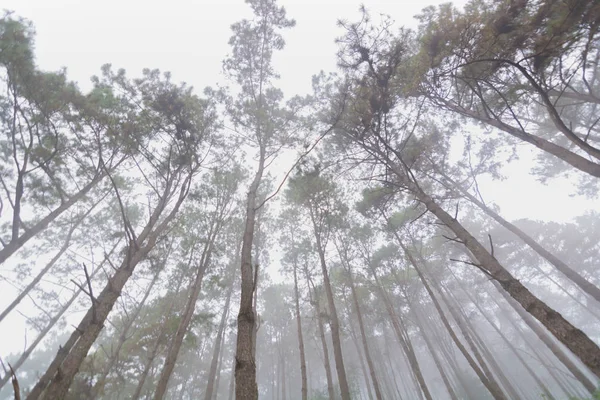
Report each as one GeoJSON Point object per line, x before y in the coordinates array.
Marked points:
{"type": "Point", "coordinates": [491, 244]}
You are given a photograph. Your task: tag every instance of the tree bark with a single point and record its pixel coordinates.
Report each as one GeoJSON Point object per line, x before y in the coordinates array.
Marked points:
{"type": "Point", "coordinates": [574, 339]}
{"type": "Point", "coordinates": [549, 342]}
{"type": "Point", "coordinates": [123, 336]}
{"type": "Point", "coordinates": [490, 384]}
{"type": "Point", "coordinates": [434, 355]}
{"type": "Point", "coordinates": [334, 320]}
{"type": "Point", "coordinates": [161, 336]}
{"type": "Point", "coordinates": [304, 388]}
{"type": "Point", "coordinates": [586, 286]}
{"type": "Point", "coordinates": [315, 302]}
{"type": "Point", "coordinates": [573, 159]}
{"type": "Point", "coordinates": [217, 349]}
{"type": "Point", "coordinates": [62, 370]}
{"type": "Point", "coordinates": [186, 318]}
{"type": "Point", "coordinates": [17, 242]}
{"type": "Point", "coordinates": [361, 326]}
{"type": "Point", "coordinates": [245, 368]}
{"type": "Point", "coordinates": [404, 341]}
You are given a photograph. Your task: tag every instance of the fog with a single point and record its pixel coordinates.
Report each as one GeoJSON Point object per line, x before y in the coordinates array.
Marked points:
{"type": "Point", "coordinates": [287, 200]}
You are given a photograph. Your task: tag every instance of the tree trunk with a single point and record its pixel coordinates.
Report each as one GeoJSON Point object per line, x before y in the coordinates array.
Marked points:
{"type": "Point", "coordinates": [17, 242]}
{"type": "Point", "coordinates": [304, 389]}
{"type": "Point", "coordinates": [395, 367]}
{"type": "Point", "coordinates": [23, 293]}
{"type": "Point", "coordinates": [245, 368]}
{"type": "Point", "coordinates": [220, 366]}
{"type": "Point", "coordinates": [549, 342]}
{"type": "Point", "coordinates": [217, 349]}
{"type": "Point", "coordinates": [161, 336]}
{"type": "Point", "coordinates": [345, 263]}
{"type": "Point", "coordinates": [361, 361]}
{"type": "Point", "coordinates": [490, 384]}
{"type": "Point", "coordinates": [123, 336]}
{"type": "Point", "coordinates": [62, 370]}
{"type": "Point", "coordinates": [404, 341]}
{"type": "Point", "coordinates": [434, 355]}
{"type": "Point", "coordinates": [315, 301]}
{"type": "Point", "coordinates": [232, 381]}
{"type": "Point", "coordinates": [574, 339]}
{"type": "Point", "coordinates": [334, 321]}
{"type": "Point", "coordinates": [283, 374]}
{"type": "Point", "coordinates": [53, 322]}
{"type": "Point", "coordinates": [586, 286]}
{"type": "Point", "coordinates": [186, 317]}
{"type": "Point", "coordinates": [450, 358]}
{"type": "Point", "coordinates": [361, 326]}
{"type": "Point", "coordinates": [573, 159]}
{"type": "Point", "coordinates": [532, 348]}
{"type": "Point", "coordinates": [507, 342]}
{"type": "Point", "coordinates": [478, 347]}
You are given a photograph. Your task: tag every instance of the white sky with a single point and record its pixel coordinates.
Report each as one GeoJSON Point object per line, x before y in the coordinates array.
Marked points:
{"type": "Point", "coordinates": [189, 38]}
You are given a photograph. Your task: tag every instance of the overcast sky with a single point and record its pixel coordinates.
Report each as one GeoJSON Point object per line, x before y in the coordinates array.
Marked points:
{"type": "Point", "coordinates": [189, 38]}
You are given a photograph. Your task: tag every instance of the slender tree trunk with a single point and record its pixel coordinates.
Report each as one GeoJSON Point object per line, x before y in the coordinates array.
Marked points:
{"type": "Point", "coordinates": [478, 347]}
{"type": "Point", "coordinates": [549, 342]}
{"type": "Point", "coordinates": [573, 159]}
{"type": "Point", "coordinates": [404, 340]}
{"type": "Point", "coordinates": [62, 370]}
{"type": "Point", "coordinates": [434, 355]}
{"type": "Point", "coordinates": [232, 381]}
{"type": "Point", "coordinates": [283, 374]}
{"type": "Point", "coordinates": [220, 366]}
{"type": "Point", "coordinates": [124, 335]}
{"type": "Point", "coordinates": [17, 242]}
{"type": "Point", "coordinates": [334, 320]}
{"type": "Point", "coordinates": [396, 381]}
{"type": "Point", "coordinates": [361, 325]}
{"type": "Point", "coordinates": [274, 376]}
{"type": "Point", "coordinates": [450, 358]}
{"type": "Point", "coordinates": [245, 369]}
{"type": "Point", "coordinates": [574, 339]}
{"type": "Point", "coordinates": [361, 361]}
{"type": "Point", "coordinates": [17, 364]}
{"type": "Point", "coordinates": [374, 380]}
{"type": "Point", "coordinates": [217, 349]}
{"type": "Point", "coordinates": [299, 331]}
{"type": "Point", "coordinates": [531, 347]}
{"type": "Point", "coordinates": [161, 337]}
{"type": "Point", "coordinates": [490, 384]}
{"type": "Point", "coordinates": [486, 362]}
{"type": "Point", "coordinates": [186, 317]}
{"type": "Point", "coordinates": [563, 289]}
{"type": "Point", "coordinates": [24, 292]}
{"type": "Point", "coordinates": [564, 382]}
{"type": "Point", "coordinates": [326, 362]}
{"type": "Point", "coordinates": [507, 342]}
{"type": "Point", "coordinates": [586, 286]}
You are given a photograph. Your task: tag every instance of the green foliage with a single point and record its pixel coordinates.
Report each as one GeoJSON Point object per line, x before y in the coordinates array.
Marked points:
{"type": "Point", "coordinates": [595, 396]}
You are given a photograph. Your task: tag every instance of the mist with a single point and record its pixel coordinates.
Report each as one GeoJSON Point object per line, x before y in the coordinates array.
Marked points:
{"type": "Point", "coordinates": [277, 201]}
